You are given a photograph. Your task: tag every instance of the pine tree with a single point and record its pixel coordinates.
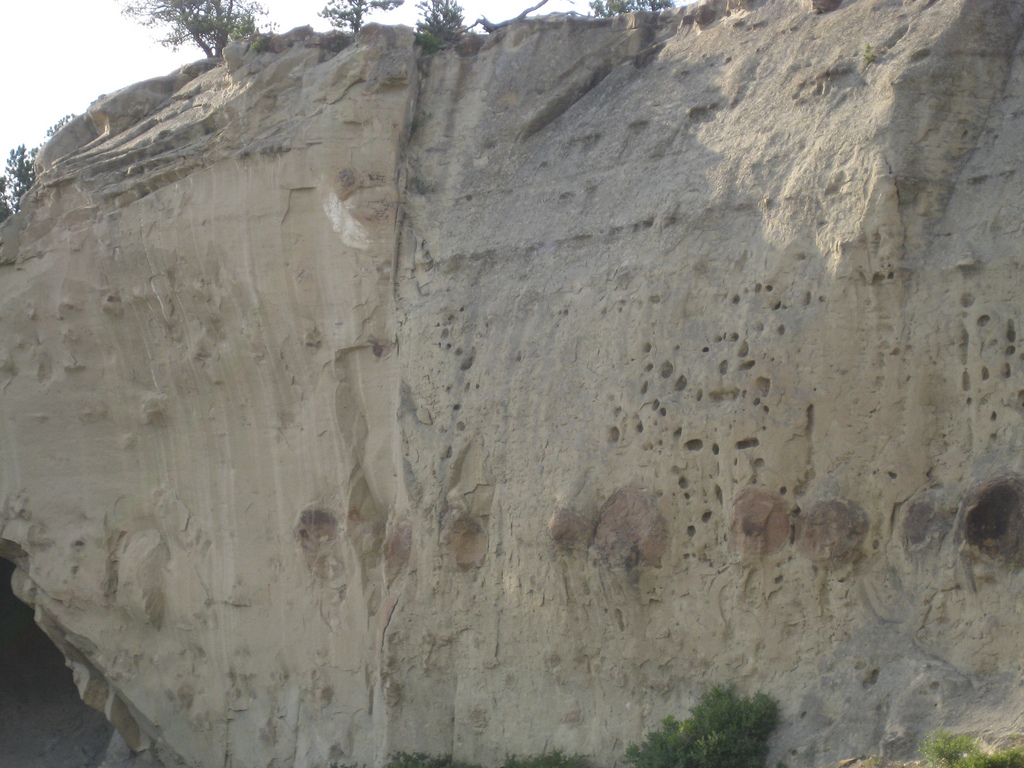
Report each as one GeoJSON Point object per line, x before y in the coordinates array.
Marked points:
{"type": "Point", "coordinates": [208, 24]}
{"type": "Point", "coordinates": [348, 15]}
{"type": "Point", "coordinates": [607, 8]}
{"type": "Point", "coordinates": [439, 26]}
{"type": "Point", "coordinates": [19, 175]}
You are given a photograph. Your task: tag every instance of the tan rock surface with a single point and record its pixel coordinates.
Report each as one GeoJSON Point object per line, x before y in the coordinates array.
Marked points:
{"type": "Point", "coordinates": [505, 400]}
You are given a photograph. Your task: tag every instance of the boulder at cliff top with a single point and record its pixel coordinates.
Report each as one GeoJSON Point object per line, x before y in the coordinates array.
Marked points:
{"type": "Point", "coordinates": [507, 399]}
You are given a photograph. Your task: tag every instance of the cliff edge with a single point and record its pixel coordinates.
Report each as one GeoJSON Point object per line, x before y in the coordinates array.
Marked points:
{"type": "Point", "coordinates": [505, 400]}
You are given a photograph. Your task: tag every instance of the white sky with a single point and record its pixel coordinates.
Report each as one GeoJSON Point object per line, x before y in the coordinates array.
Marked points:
{"type": "Point", "coordinates": [58, 56]}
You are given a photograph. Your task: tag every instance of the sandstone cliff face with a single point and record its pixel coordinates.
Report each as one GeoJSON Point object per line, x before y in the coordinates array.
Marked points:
{"type": "Point", "coordinates": [504, 401]}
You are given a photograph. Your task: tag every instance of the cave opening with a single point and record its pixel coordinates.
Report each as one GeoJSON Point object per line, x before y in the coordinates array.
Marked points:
{"type": "Point", "coordinates": [994, 519]}
{"type": "Point", "coordinates": [43, 722]}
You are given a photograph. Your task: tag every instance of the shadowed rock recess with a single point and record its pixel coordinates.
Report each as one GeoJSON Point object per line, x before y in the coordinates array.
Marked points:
{"type": "Point", "coordinates": [505, 400]}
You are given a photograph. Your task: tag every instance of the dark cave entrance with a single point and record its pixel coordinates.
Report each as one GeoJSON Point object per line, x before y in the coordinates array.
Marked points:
{"type": "Point", "coordinates": [43, 722]}
{"type": "Point", "coordinates": [994, 519]}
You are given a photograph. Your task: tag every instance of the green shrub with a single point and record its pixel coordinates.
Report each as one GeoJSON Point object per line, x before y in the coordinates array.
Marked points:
{"type": "Point", "coordinates": [1006, 758]}
{"type": "Point", "coordinates": [946, 750]}
{"type": "Point", "coordinates": [421, 760]}
{"type": "Point", "coordinates": [556, 759]}
{"type": "Point", "coordinates": [660, 749]}
{"type": "Point", "coordinates": [724, 730]}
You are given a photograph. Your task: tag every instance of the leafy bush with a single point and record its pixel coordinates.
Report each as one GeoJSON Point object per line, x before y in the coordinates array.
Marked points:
{"type": "Point", "coordinates": [1007, 758]}
{"type": "Point", "coordinates": [666, 748]}
{"type": "Point", "coordinates": [422, 760]}
{"type": "Point", "coordinates": [724, 730]}
{"type": "Point", "coordinates": [556, 759]}
{"type": "Point", "coordinates": [946, 750]}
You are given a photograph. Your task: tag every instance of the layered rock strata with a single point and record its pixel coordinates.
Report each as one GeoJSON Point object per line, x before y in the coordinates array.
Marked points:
{"type": "Point", "coordinates": [505, 400]}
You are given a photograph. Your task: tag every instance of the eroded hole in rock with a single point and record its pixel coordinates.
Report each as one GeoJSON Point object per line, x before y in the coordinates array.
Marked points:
{"type": "Point", "coordinates": [316, 527]}
{"type": "Point", "coordinates": [43, 722]}
{"type": "Point", "coordinates": [831, 531]}
{"type": "Point", "coordinates": [630, 531]}
{"type": "Point", "coordinates": [926, 522]}
{"type": "Point", "coordinates": [397, 549]}
{"type": "Point", "coordinates": [467, 543]}
{"type": "Point", "coordinates": [570, 530]}
{"type": "Point", "coordinates": [993, 519]}
{"type": "Point", "coordinates": [316, 532]}
{"type": "Point", "coordinates": [761, 523]}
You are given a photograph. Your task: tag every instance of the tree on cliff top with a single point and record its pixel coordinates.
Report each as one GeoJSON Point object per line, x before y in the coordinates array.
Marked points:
{"type": "Point", "coordinates": [348, 15]}
{"type": "Point", "coordinates": [20, 174]}
{"type": "Point", "coordinates": [209, 24]}
{"type": "Point", "coordinates": [5, 206]}
{"type": "Point", "coordinates": [606, 8]}
{"type": "Point", "coordinates": [439, 26]}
